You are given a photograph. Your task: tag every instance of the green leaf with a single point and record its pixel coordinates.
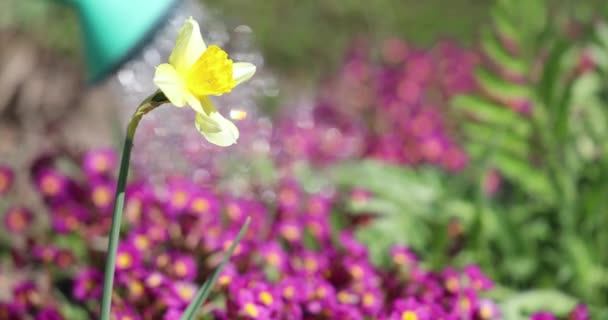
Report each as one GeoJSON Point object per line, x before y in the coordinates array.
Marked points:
{"type": "Point", "coordinates": [497, 53]}
{"type": "Point", "coordinates": [204, 291]}
{"type": "Point", "coordinates": [500, 88]}
{"type": "Point", "coordinates": [492, 113]}
{"type": "Point", "coordinates": [532, 180]}
{"type": "Point", "coordinates": [503, 140]}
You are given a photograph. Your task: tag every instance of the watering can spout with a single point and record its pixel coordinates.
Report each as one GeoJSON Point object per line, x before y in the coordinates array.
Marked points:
{"type": "Point", "coordinates": [114, 30]}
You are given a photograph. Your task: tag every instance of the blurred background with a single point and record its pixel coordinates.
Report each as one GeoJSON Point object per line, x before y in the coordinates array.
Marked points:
{"type": "Point", "coordinates": [471, 131]}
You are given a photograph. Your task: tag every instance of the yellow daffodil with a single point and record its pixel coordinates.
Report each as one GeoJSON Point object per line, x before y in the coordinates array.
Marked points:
{"type": "Point", "coordinates": [194, 73]}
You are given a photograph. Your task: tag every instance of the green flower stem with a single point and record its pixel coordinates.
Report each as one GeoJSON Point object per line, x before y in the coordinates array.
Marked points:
{"type": "Point", "coordinates": [149, 104]}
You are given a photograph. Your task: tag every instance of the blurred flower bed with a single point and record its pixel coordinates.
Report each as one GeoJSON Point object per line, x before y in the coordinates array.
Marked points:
{"type": "Point", "coordinates": [296, 262]}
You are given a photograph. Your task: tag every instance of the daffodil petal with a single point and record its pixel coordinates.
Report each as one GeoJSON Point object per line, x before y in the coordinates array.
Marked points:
{"type": "Point", "coordinates": [188, 47]}
{"type": "Point", "coordinates": [169, 81]}
{"type": "Point", "coordinates": [242, 71]}
{"type": "Point", "coordinates": [228, 134]}
{"type": "Point", "coordinates": [197, 103]}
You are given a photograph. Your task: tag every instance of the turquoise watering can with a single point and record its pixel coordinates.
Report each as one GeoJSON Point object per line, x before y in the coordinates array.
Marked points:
{"type": "Point", "coordinates": [114, 30]}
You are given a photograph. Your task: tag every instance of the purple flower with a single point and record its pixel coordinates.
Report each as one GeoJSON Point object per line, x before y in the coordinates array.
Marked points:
{"type": "Point", "coordinates": [9, 311]}
{"type": "Point", "coordinates": [403, 256]}
{"type": "Point", "coordinates": [409, 310]}
{"type": "Point", "coordinates": [127, 257]}
{"type": "Point", "coordinates": [180, 294]}
{"type": "Point", "coordinates": [87, 284]}
{"type": "Point", "coordinates": [17, 219]}
{"type": "Point", "coordinates": [488, 310]}
{"type": "Point", "coordinates": [26, 295]}
{"type": "Point", "coordinates": [479, 281]}
{"type": "Point", "coordinates": [179, 194]}
{"type": "Point", "coordinates": [291, 231]}
{"type": "Point", "coordinates": [49, 313]}
{"type": "Point", "coordinates": [101, 162]}
{"type": "Point", "coordinates": [543, 316]}
{"type": "Point", "coordinates": [51, 183]}
{"type": "Point", "coordinates": [274, 255]}
{"type": "Point", "coordinates": [7, 178]}
{"type": "Point", "coordinates": [580, 312]}
{"type": "Point", "coordinates": [203, 205]}
{"type": "Point", "coordinates": [102, 195]}
{"type": "Point", "coordinates": [183, 267]}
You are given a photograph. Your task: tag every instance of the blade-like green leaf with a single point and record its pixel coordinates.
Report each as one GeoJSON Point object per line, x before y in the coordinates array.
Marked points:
{"type": "Point", "coordinates": [492, 113]}
{"type": "Point", "coordinates": [500, 88]}
{"type": "Point", "coordinates": [497, 53]}
{"type": "Point", "coordinates": [204, 291]}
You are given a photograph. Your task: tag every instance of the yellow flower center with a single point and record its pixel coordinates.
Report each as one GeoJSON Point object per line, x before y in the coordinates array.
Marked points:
{"type": "Point", "coordinates": [409, 315]}
{"type": "Point", "coordinates": [101, 196]}
{"type": "Point", "coordinates": [251, 310]}
{"type": "Point", "coordinates": [273, 259]}
{"type": "Point", "coordinates": [368, 299]}
{"type": "Point", "coordinates": [100, 163]}
{"type": "Point", "coordinates": [141, 242]}
{"type": "Point", "coordinates": [485, 312]}
{"type": "Point", "coordinates": [124, 260]}
{"type": "Point", "coordinates": [266, 298]}
{"type": "Point", "coordinates": [49, 185]}
{"type": "Point", "coordinates": [400, 258]}
{"type": "Point", "coordinates": [3, 184]}
{"type": "Point", "coordinates": [186, 292]}
{"type": "Point", "coordinates": [200, 205]}
{"type": "Point", "coordinates": [465, 304]}
{"type": "Point", "coordinates": [224, 280]}
{"type": "Point", "coordinates": [211, 74]}
{"type": "Point", "coordinates": [16, 220]}
{"type": "Point", "coordinates": [136, 288]}
{"type": "Point", "coordinates": [180, 268]}
{"type": "Point", "coordinates": [452, 284]}
{"type": "Point", "coordinates": [288, 292]}
{"type": "Point", "coordinates": [356, 271]}
{"type": "Point", "coordinates": [179, 199]}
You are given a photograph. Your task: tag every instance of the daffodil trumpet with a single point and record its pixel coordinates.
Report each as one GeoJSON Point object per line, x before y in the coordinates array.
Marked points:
{"type": "Point", "coordinates": [194, 73]}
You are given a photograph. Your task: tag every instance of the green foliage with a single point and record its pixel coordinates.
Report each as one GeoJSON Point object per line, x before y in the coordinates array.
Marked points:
{"type": "Point", "coordinates": [549, 156]}
{"type": "Point", "coordinates": [541, 119]}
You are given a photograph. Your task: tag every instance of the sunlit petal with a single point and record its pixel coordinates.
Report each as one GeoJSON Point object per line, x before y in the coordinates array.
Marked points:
{"type": "Point", "coordinates": [242, 71]}
{"type": "Point", "coordinates": [169, 81]}
{"type": "Point", "coordinates": [228, 134]}
{"type": "Point", "coordinates": [188, 47]}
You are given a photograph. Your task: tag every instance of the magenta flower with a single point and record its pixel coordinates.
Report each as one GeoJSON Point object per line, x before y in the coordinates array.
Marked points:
{"type": "Point", "coordinates": [51, 183]}
{"type": "Point", "coordinates": [102, 195]}
{"type": "Point", "coordinates": [99, 163]}
{"type": "Point", "coordinates": [87, 284]}
{"type": "Point", "coordinates": [7, 178]}
{"type": "Point", "coordinates": [49, 313]}
{"type": "Point", "coordinates": [26, 295]}
{"type": "Point", "coordinates": [9, 311]}
{"type": "Point", "coordinates": [127, 257]}
{"type": "Point", "coordinates": [580, 312]}
{"type": "Point", "coordinates": [183, 267]}
{"type": "Point", "coordinates": [543, 316]}
{"type": "Point", "coordinates": [17, 219]}
{"type": "Point", "coordinates": [274, 255]}
{"type": "Point", "coordinates": [409, 310]}
{"type": "Point", "coordinates": [478, 280]}
{"type": "Point", "coordinates": [488, 310]}
{"type": "Point", "coordinates": [403, 256]}
{"type": "Point", "coordinates": [180, 294]}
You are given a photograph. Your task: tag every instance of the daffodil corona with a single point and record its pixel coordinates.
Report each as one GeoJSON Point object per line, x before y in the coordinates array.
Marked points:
{"type": "Point", "coordinates": [194, 73]}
